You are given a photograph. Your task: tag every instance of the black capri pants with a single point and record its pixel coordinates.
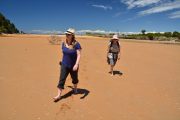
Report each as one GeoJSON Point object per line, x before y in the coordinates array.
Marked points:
{"type": "Point", "coordinates": [63, 75]}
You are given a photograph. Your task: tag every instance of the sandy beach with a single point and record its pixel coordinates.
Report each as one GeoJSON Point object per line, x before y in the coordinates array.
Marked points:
{"type": "Point", "coordinates": [148, 89]}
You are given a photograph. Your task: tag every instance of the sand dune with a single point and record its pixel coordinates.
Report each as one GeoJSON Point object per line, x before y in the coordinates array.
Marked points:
{"type": "Point", "coordinates": [147, 90]}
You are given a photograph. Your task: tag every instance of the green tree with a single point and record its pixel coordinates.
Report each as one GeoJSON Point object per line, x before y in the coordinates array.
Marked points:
{"type": "Point", "coordinates": [175, 34]}
{"type": "Point", "coordinates": [168, 34]}
{"type": "Point", "coordinates": [6, 26]}
{"type": "Point", "coordinates": [143, 31]}
{"type": "Point", "coordinates": [150, 36]}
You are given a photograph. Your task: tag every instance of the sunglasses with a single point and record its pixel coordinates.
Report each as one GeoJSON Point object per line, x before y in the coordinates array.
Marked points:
{"type": "Point", "coordinates": [68, 35]}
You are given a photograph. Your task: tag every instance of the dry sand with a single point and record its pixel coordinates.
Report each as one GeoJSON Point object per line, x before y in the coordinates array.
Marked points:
{"type": "Point", "coordinates": [149, 88]}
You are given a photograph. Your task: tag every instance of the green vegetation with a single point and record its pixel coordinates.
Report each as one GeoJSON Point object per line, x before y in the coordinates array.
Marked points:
{"type": "Point", "coordinates": [166, 36]}
{"type": "Point", "coordinates": [6, 26]}
{"type": "Point", "coordinates": [143, 32]}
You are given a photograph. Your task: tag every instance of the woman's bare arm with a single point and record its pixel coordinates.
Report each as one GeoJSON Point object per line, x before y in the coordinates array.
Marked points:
{"type": "Point", "coordinates": [77, 60]}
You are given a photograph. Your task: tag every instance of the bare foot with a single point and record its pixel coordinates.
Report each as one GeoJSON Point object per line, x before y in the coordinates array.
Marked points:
{"type": "Point", "coordinates": [111, 72]}
{"type": "Point", "coordinates": [57, 98]}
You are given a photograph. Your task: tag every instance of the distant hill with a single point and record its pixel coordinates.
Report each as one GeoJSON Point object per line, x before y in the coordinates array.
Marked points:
{"type": "Point", "coordinates": [6, 26]}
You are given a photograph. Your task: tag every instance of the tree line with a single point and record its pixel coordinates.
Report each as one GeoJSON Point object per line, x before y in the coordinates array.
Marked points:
{"type": "Point", "coordinates": [164, 36]}
{"type": "Point", "coordinates": [155, 36]}
{"type": "Point", "coordinates": [6, 26]}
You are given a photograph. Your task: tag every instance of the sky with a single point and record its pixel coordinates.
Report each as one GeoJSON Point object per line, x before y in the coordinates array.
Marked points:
{"type": "Point", "coordinates": [46, 16]}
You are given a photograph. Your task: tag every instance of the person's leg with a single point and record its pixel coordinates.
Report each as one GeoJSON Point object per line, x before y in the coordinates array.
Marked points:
{"type": "Point", "coordinates": [62, 79]}
{"type": "Point", "coordinates": [112, 66]}
{"type": "Point", "coordinates": [74, 76]}
{"type": "Point", "coordinates": [113, 63]}
{"type": "Point", "coordinates": [75, 88]}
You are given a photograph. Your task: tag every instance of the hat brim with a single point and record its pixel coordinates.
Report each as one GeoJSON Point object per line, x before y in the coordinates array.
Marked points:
{"type": "Point", "coordinates": [69, 33]}
{"type": "Point", "coordinates": [115, 39]}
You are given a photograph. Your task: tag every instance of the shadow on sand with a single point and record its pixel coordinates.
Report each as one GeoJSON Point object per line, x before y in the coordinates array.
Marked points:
{"type": "Point", "coordinates": [79, 91]}
{"type": "Point", "coordinates": [116, 72]}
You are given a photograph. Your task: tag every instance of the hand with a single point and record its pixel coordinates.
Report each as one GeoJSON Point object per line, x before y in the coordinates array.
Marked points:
{"type": "Point", "coordinates": [118, 57]}
{"type": "Point", "coordinates": [60, 63]}
{"type": "Point", "coordinates": [75, 67]}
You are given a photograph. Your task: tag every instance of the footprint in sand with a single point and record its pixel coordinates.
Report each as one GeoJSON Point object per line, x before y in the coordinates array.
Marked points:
{"type": "Point", "coordinates": [63, 108]}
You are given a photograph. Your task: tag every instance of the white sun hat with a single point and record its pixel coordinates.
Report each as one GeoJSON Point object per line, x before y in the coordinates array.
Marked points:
{"type": "Point", "coordinates": [70, 31]}
{"type": "Point", "coordinates": [115, 37]}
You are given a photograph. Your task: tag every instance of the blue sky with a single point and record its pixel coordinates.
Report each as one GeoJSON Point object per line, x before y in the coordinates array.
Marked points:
{"type": "Point", "coordinates": [93, 15]}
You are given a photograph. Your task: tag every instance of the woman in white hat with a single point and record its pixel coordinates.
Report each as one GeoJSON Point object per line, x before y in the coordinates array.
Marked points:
{"type": "Point", "coordinates": [113, 52]}
{"type": "Point", "coordinates": [70, 62]}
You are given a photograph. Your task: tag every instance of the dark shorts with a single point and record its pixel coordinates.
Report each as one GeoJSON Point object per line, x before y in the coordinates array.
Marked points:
{"type": "Point", "coordinates": [63, 75]}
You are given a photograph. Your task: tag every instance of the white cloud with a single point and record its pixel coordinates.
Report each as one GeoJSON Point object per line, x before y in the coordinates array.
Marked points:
{"type": "Point", "coordinates": [117, 14]}
{"type": "Point", "coordinates": [47, 31]}
{"type": "Point", "coordinates": [161, 8]}
{"type": "Point", "coordinates": [114, 32]}
{"type": "Point", "coordinates": [92, 31]}
{"type": "Point", "coordinates": [139, 3]}
{"type": "Point", "coordinates": [175, 15]}
{"type": "Point", "coordinates": [103, 7]}
{"type": "Point", "coordinates": [105, 32]}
